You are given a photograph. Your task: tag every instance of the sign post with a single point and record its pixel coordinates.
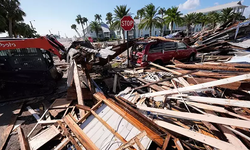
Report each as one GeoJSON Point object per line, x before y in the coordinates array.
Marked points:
{"type": "Point", "coordinates": [127, 23]}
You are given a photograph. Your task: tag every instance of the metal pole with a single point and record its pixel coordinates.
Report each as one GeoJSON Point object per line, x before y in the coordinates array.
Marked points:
{"type": "Point", "coordinates": [128, 51]}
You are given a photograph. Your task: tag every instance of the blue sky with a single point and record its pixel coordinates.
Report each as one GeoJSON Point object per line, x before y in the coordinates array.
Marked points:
{"type": "Point", "coordinates": [59, 15]}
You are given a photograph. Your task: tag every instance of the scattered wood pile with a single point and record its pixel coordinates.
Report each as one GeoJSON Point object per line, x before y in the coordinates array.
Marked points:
{"type": "Point", "coordinates": [222, 40]}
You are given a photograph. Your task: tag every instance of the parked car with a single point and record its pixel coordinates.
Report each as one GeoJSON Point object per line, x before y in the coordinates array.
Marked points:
{"type": "Point", "coordinates": [161, 52]}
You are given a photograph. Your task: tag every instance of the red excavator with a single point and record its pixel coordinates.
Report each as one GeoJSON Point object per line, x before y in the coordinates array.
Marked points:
{"type": "Point", "coordinates": [27, 67]}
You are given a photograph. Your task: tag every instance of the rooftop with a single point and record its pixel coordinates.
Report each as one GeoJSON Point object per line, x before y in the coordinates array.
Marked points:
{"type": "Point", "coordinates": [220, 7]}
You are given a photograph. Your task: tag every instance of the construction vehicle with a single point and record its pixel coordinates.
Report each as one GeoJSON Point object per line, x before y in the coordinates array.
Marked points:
{"type": "Point", "coordinates": [27, 67]}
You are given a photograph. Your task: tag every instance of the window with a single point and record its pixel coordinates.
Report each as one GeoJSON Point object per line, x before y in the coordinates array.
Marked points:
{"type": "Point", "coordinates": [155, 48]}
{"type": "Point", "coordinates": [169, 46]}
{"type": "Point", "coordinates": [181, 45]}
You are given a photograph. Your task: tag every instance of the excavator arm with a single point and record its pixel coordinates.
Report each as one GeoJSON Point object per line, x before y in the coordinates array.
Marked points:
{"type": "Point", "coordinates": [47, 43]}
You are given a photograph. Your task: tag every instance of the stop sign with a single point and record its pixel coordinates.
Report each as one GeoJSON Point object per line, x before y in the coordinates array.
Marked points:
{"type": "Point", "coordinates": [127, 23]}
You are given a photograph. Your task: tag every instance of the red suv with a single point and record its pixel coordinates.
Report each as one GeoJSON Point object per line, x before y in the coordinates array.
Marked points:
{"type": "Point", "coordinates": [161, 52]}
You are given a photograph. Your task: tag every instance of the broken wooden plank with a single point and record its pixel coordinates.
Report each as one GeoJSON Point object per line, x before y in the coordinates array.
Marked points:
{"type": "Point", "coordinates": [81, 136]}
{"type": "Point", "coordinates": [218, 101]}
{"type": "Point", "coordinates": [70, 78]}
{"type": "Point", "coordinates": [24, 144]}
{"type": "Point", "coordinates": [77, 82]}
{"type": "Point", "coordinates": [43, 137]}
{"type": "Point", "coordinates": [58, 106]}
{"type": "Point", "coordinates": [211, 67]}
{"type": "Point", "coordinates": [195, 116]}
{"type": "Point", "coordinates": [166, 141]}
{"type": "Point", "coordinates": [197, 136]}
{"type": "Point", "coordinates": [63, 144]}
{"type": "Point", "coordinates": [138, 143]}
{"type": "Point", "coordinates": [199, 86]}
{"type": "Point", "coordinates": [131, 119]}
{"type": "Point", "coordinates": [164, 68]}
{"type": "Point", "coordinates": [132, 141]}
{"type": "Point", "coordinates": [7, 131]}
{"type": "Point", "coordinates": [178, 144]}
{"type": "Point", "coordinates": [69, 136]}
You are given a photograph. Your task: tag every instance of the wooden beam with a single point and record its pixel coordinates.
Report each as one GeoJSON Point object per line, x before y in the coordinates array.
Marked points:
{"type": "Point", "coordinates": [88, 113]}
{"type": "Point", "coordinates": [164, 68]}
{"type": "Point", "coordinates": [68, 135]}
{"type": "Point", "coordinates": [138, 143]}
{"type": "Point", "coordinates": [58, 106]}
{"type": "Point", "coordinates": [197, 136]}
{"type": "Point", "coordinates": [131, 119]}
{"type": "Point", "coordinates": [77, 82]}
{"type": "Point", "coordinates": [132, 141]}
{"type": "Point", "coordinates": [199, 86]}
{"type": "Point", "coordinates": [200, 117]}
{"type": "Point", "coordinates": [81, 136]}
{"type": "Point", "coordinates": [217, 101]}
{"type": "Point", "coordinates": [178, 144]}
{"type": "Point", "coordinates": [166, 141]}
{"type": "Point", "coordinates": [70, 74]}
{"type": "Point", "coordinates": [24, 144]}
{"type": "Point", "coordinates": [63, 143]}
{"type": "Point", "coordinates": [212, 67]}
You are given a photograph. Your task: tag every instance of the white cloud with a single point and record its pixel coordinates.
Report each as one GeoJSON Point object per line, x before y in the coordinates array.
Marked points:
{"type": "Point", "coordinates": [216, 3]}
{"type": "Point", "coordinates": [189, 4]}
{"type": "Point", "coordinates": [247, 12]}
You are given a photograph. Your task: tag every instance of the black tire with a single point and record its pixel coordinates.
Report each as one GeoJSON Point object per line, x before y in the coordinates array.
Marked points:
{"type": "Point", "coordinates": [192, 58]}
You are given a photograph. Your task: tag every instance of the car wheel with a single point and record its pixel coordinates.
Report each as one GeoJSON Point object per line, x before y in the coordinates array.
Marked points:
{"type": "Point", "coordinates": [191, 58]}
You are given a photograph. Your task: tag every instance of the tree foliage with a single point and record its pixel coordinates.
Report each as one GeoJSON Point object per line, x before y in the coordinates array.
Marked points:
{"type": "Point", "coordinates": [109, 18]}
{"type": "Point", "coordinates": [173, 16]}
{"type": "Point", "coordinates": [96, 27]}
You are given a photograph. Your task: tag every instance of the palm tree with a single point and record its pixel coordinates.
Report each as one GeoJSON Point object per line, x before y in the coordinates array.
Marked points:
{"type": "Point", "coordinates": [150, 18]}
{"type": "Point", "coordinates": [189, 19]}
{"type": "Point", "coordinates": [140, 14]}
{"type": "Point", "coordinates": [73, 26]}
{"type": "Point", "coordinates": [226, 14]}
{"type": "Point", "coordinates": [136, 17]}
{"type": "Point", "coordinates": [238, 16]}
{"type": "Point", "coordinates": [213, 18]}
{"type": "Point", "coordinates": [109, 18]}
{"type": "Point", "coordinates": [173, 16]}
{"type": "Point", "coordinates": [85, 22]}
{"type": "Point", "coordinates": [23, 29]}
{"type": "Point", "coordinates": [80, 20]}
{"type": "Point", "coordinates": [98, 17]}
{"type": "Point", "coordinates": [13, 13]}
{"type": "Point", "coordinates": [95, 26]}
{"type": "Point", "coordinates": [120, 11]}
{"type": "Point", "coordinates": [201, 19]}
{"type": "Point", "coordinates": [161, 12]}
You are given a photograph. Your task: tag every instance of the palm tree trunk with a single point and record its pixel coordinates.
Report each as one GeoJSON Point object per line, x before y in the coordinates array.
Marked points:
{"type": "Point", "coordinates": [188, 27]}
{"type": "Point", "coordinates": [10, 28]}
{"type": "Point", "coordinates": [162, 24]}
{"type": "Point", "coordinates": [123, 32]}
{"type": "Point", "coordinates": [78, 33]}
{"type": "Point", "coordinates": [150, 30]}
{"type": "Point", "coordinates": [83, 30]}
{"type": "Point", "coordinates": [172, 26]}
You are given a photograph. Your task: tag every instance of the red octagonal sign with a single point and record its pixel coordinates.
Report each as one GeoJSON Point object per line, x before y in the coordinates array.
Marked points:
{"type": "Point", "coordinates": [127, 23]}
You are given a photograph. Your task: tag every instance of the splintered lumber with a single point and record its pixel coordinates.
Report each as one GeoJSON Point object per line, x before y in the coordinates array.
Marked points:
{"type": "Point", "coordinates": [219, 101]}
{"type": "Point", "coordinates": [138, 143]}
{"type": "Point", "coordinates": [166, 141]}
{"type": "Point", "coordinates": [103, 122]}
{"type": "Point", "coordinates": [88, 113]}
{"type": "Point", "coordinates": [200, 117]}
{"type": "Point", "coordinates": [43, 137]}
{"type": "Point", "coordinates": [81, 136]}
{"type": "Point", "coordinates": [132, 141]}
{"type": "Point", "coordinates": [156, 82]}
{"type": "Point", "coordinates": [68, 135]}
{"type": "Point", "coordinates": [77, 82]}
{"type": "Point", "coordinates": [58, 106]}
{"type": "Point", "coordinates": [63, 144]}
{"type": "Point", "coordinates": [164, 68]}
{"type": "Point", "coordinates": [231, 86]}
{"type": "Point", "coordinates": [70, 75]}
{"type": "Point", "coordinates": [210, 67]}
{"type": "Point", "coordinates": [7, 131]}
{"type": "Point", "coordinates": [199, 86]}
{"type": "Point", "coordinates": [197, 136]}
{"type": "Point", "coordinates": [140, 125]}
{"type": "Point", "coordinates": [24, 144]}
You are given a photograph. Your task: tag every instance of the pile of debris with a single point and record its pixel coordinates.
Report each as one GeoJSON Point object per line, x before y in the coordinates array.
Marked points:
{"type": "Point", "coordinates": [229, 37]}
